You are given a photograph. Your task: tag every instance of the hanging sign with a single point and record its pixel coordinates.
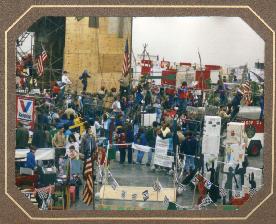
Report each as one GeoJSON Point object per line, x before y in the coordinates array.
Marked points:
{"type": "Point", "coordinates": [25, 109]}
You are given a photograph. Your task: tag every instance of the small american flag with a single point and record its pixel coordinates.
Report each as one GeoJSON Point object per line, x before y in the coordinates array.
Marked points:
{"type": "Point", "coordinates": [126, 64]}
{"type": "Point", "coordinates": [222, 192]}
{"type": "Point", "coordinates": [145, 195]}
{"type": "Point", "coordinates": [123, 194]}
{"type": "Point", "coordinates": [252, 192]}
{"type": "Point", "coordinates": [166, 201]}
{"type": "Point", "coordinates": [40, 62]}
{"type": "Point", "coordinates": [114, 184]}
{"type": "Point", "coordinates": [157, 186]}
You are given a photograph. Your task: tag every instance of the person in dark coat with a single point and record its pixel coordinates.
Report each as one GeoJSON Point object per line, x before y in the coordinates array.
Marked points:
{"type": "Point", "coordinates": [235, 104]}
{"type": "Point", "coordinates": [22, 137]}
{"type": "Point", "coordinates": [30, 161]}
{"type": "Point", "coordinates": [189, 147]}
{"type": "Point", "coordinates": [129, 139]}
{"type": "Point", "coordinates": [39, 138]}
{"type": "Point", "coordinates": [141, 140]}
{"type": "Point", "coordinates": [88, 143]}
{"type": "Point", "coordinates": [85, 75]}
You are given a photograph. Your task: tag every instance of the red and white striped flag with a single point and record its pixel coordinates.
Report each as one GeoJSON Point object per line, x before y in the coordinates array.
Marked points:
{"type": "Point", "coordinates": [127, 64]}
{"type": "Point", "coordinates": [88, 188]}
{"type": "Point", "coordinates": [40, 62]}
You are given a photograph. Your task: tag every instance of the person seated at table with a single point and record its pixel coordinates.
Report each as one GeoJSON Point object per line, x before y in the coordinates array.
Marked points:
{"type": "Point", "coordinates": [30, 162]}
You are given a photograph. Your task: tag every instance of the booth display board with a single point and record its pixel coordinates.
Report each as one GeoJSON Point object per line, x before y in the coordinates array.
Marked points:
{"type": "Point", "coordinates": [212, 125]}
{"type": "Point", "coordinates": [235, 132]}
{"type": "Point", "coordinates": [234, 153]}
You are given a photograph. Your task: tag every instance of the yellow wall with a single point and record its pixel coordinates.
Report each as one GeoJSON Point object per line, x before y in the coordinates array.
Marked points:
{"type": "Point", "coordinates": [99, 50]}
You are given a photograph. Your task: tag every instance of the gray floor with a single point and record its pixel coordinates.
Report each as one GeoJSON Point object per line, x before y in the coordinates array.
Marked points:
{"type": "Point", "coordinates": [142, 175]}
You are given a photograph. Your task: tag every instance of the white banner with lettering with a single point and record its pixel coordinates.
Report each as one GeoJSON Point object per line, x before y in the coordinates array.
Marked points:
{"type": "Point", "coordinates": [162, 146]}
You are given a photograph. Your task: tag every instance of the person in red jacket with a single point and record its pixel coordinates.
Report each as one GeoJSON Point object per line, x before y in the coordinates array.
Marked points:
{"type": "Point", "coordinates": [183, 95]}
{"type": "Point", "coordinates": [121, 140]}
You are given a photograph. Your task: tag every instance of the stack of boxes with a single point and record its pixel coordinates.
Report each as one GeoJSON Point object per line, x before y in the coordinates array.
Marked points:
{"type": "Point", "coordinates": [211, 139]}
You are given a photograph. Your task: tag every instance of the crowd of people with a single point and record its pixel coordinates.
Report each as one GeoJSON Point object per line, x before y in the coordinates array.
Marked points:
{"type": "Point", "coordinates": [116, 116]}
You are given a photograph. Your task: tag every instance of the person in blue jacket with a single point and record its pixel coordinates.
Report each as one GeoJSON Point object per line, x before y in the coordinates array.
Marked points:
{"type": "Point", "coordinates": [30, 162]}
{"type": "Point", "coordinates": [140, 139]}
{"type": "Point", "coordinates": [189, 148]}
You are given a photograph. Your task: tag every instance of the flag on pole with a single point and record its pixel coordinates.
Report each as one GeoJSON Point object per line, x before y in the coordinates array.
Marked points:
{"type": "Point", "coordinates": [123, 194]}
{"type": "Point", "coordinates": [145, 195]}
{"type": "Point", "coordinates": [166, 201]}
{"type": "Point", "coordinates": [126, 64]}
{"type": "Point", "coordinates": [252, 192]}
{"type": "Point", "coordinates": [40, 62]}
{"type": "Point", "coordinates": [88, 188]}
{"type": "Point", "coordinates": [157, 186]}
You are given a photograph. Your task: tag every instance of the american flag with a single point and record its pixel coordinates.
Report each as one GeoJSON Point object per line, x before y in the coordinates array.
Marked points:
{"type": "Point", "coordinates": [157, 186]}
{"type": "Point", "coordinates": [123, 194]}
{"type": "Point", "coordinates": [88, 188]}
{"type": "Point", "coordinates": [145, 195]}
{"type": "Point", "coordinates": [126, 65]}
{"type": "Point", "coordinates": [40, 62]}
{"type": "Point", "coordinates": [222, 192]}
{"type": "Point", "coordinates": [166, 201]}
{"type": "Point", "coordinates": [252, 192]}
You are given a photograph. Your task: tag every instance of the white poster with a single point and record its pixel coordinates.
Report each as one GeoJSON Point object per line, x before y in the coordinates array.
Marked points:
{"type": "Point", "coordinates": [40, 154]}
{"type": "Point", "coordinates": [162, 146]}
{"type": "Point", "coordinates": [165, 161]}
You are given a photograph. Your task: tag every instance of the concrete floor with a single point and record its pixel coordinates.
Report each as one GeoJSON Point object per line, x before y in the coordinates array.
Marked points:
{"type": "Point", "coordinates": [142, 175]}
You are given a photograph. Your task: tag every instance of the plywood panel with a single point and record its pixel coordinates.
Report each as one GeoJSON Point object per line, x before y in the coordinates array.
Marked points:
{"type": "Point", "coordinates": [107, 192]}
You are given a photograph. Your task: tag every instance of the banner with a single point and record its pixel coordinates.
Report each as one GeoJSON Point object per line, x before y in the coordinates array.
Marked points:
{"type": "Point", "coordinates": [165, 161]}
{"type": "Point", "coordinates": [25, 109]}
{"type": "Point", "coordinates": [162, 146]}
{"type": "Point", "coordinates": [142, 148]}
{"type": "Point", "coordinates": [40, 154]}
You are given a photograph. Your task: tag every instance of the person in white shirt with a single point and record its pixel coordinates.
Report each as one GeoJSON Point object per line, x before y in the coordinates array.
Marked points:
{"type": "Point", "coordinates": [64, 79]}
{"type": "Point", "coordinates": [116, 106]}
{"type": "Point", "coordinates": [72, 142]}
